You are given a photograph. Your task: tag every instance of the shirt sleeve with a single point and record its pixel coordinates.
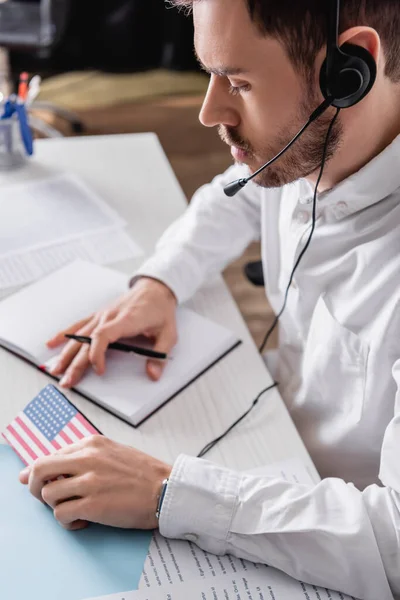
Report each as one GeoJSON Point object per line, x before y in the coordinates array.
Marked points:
{"type": "Point", "coordinates": [212, 232]}
{"type": "Point", "coordinates": [331, 534]}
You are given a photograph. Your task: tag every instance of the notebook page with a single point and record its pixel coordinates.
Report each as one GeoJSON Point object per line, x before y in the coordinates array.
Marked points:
{"type": "Point", "coordinates": [125, 386]}
{"type": "Point", "coordinates": [36, 313]}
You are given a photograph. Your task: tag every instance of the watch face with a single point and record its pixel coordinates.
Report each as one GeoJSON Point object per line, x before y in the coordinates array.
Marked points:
{"type": "Point", "coordinates": [161, 497]}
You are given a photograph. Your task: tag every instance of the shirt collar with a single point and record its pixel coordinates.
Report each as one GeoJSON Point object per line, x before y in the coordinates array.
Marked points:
{"type": "Point", "coordinates": [374, 182]}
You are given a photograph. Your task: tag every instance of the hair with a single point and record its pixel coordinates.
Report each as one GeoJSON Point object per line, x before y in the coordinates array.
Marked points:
{"type": "Point", "coordinates": [301, 25]}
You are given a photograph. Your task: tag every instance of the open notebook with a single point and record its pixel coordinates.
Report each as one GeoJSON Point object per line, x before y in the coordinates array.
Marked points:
{"type": "Point", "coordinates": [36, 313]}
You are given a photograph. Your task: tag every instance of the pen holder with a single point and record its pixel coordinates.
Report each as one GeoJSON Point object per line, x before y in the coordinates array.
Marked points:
{"type": "Point", "coordinates": [12, 149]}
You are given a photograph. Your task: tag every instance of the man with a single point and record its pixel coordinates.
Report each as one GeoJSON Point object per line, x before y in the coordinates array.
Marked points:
{"type": "Point", "coordinates": [339, 348]}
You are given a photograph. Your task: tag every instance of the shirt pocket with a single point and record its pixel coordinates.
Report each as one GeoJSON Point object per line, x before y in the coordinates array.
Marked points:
{"type": "Point", "coordinates": [333, 372]}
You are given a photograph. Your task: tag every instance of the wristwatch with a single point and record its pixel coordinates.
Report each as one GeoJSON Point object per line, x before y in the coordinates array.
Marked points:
{"type": "Point", "coordinates": [161, 498]}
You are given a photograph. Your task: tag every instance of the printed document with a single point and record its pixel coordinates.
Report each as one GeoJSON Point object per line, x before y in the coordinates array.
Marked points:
{"type": "Point", "coordinates": [266, 585]}
{"type": "Point", "coordinates": [47, 224]}
{"type": "Point", "coordinates": [99, 248]}
{"type": "Point", "coordinates": [40, 213]}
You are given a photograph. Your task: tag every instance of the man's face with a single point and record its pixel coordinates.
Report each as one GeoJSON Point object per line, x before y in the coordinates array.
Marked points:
{"type": "Point", "coordinates": [255, 96]}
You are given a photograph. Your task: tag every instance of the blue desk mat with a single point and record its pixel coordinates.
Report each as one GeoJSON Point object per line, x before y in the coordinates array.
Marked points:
{"type": "Point", "coordinates": [40, 560]}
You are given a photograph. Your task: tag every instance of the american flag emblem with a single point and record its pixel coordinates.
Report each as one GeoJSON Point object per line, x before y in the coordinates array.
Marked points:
{"type": "Point", "coordinates": [50, 422]}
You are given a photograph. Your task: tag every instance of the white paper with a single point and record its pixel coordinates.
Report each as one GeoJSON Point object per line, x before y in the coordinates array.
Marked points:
{"type": "Point", "coordinates": [100, 248]}
{"type": "Point", "coordinates": [33, 315]}
{"type": "Point", "coordinates": [51, 211]}
{"type": "Point", "coordinates": [266, 585]}
{"type": "Point", "coordinates": [175, 562]}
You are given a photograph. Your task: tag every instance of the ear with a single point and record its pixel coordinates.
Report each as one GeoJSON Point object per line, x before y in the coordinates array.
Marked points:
{"type": "Point", "coordinates": [366, 37]}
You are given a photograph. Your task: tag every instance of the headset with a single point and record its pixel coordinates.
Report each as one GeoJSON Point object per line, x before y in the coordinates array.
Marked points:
{"type": "Point", "coordinates": [347, 76]}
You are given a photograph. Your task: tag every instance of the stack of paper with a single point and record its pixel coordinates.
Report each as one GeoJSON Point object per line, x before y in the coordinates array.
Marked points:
{"type": "Point", "coordinates": [46, 224]}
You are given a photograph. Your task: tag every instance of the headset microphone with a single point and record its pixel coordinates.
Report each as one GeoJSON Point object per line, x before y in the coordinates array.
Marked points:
{"type": "Point", "coordinates": [233, 188]}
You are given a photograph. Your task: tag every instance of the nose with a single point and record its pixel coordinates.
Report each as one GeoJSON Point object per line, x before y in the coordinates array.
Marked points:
{"type": "Point", "coordinates": [218, 106]}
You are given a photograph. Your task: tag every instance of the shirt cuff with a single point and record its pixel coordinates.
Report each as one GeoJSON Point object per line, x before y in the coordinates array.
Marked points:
{"type": "Point", "coordinates": [199, 504]}
{"type": "Point", "coordinates": [164, 271]}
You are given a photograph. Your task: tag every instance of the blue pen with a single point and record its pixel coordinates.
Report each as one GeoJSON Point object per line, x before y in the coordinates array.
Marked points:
{"type": "Point", "coordinates": [26, 133]}
{"type": "Point", "coordinates": [9, 109]}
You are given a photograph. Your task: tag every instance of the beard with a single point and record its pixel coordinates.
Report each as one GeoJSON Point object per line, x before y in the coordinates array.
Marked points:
{"type": "Point", "coordinates": [302, 160]}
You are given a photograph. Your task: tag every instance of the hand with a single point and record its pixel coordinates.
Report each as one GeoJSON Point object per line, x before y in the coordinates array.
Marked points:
{"type": "Point", "coordinates": [106, 483]}
{"type": "Point", "coordinates": [149, 309]}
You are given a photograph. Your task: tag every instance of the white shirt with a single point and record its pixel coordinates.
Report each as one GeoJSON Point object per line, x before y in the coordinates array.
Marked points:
{"type": "Point", "coordinates": [339, 370]}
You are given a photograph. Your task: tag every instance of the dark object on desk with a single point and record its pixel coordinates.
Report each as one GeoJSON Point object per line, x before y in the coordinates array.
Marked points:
{"type": "Point", "coordinates": [115, 36]}
{"type": "Point", "coordinates": [35, 28]}
{"type": "Point", "coordinates": [122, 347]}
{"type": "Point", "coordinates": [254, 273]}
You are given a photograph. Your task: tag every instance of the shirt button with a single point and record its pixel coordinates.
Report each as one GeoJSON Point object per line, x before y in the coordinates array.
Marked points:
{"type": "Point", "coordinates": [303, 217]}
{"type": "Point", "coordinates": [294, 285]}
{"type": "Point", "coordinates": [191, 537]}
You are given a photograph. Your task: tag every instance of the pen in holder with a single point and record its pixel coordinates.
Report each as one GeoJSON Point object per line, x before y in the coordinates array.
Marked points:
{"type": "Point", "coordinates": [12, 148]}
{"type": "Point", "coordinates": [15, 136]}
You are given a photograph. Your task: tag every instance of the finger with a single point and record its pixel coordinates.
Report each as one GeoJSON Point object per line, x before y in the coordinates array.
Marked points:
{"type": "Point", "coordinates": [106, 334]}
{"type": "Point", "coordinates": [61, 490]}
{"type": "Point", "coordinates": [24, 474]}
{"type": "Point", "coordinates": [76, 525]}
{"type": "Point", "coordinates": [77, 368]}
{"type": "Point", "coordinates": [69, 512]}
{"type": "Point", "coordinates": [75, 447]}
{"type": "Point", "coordinates": [59, 338]}
{"type": "Point", "coordinates": [49, 468]}
{"type": "Point", "coordinates": [65, 358]}
{"type": "Point", "coordinates": [164, 343]}
{"type": "Point", "coordinates": [71, 350]}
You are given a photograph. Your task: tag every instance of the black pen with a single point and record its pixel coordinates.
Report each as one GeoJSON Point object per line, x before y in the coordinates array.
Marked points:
{"type": "Point", "coordinates": [122, 347]}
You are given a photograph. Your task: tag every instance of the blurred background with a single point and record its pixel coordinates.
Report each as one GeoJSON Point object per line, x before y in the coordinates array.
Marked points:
{"type": "Point", "coordinates": [124, 66]}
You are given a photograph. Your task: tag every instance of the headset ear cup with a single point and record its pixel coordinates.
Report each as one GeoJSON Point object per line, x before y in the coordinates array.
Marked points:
{"type": "Point", "coordinates": [353, 76]}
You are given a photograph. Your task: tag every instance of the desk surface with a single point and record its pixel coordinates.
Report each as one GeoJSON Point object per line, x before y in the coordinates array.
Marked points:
{"type": "Point", "coordinates": [132, 173]}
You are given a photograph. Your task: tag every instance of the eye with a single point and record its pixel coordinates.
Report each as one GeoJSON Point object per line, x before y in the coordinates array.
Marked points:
{"type": "Point", "coordinates": [236, 90]}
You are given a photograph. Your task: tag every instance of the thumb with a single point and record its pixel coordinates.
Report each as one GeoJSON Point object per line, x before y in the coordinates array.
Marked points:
{"type": "Point", "coordinates": [164, 343]}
